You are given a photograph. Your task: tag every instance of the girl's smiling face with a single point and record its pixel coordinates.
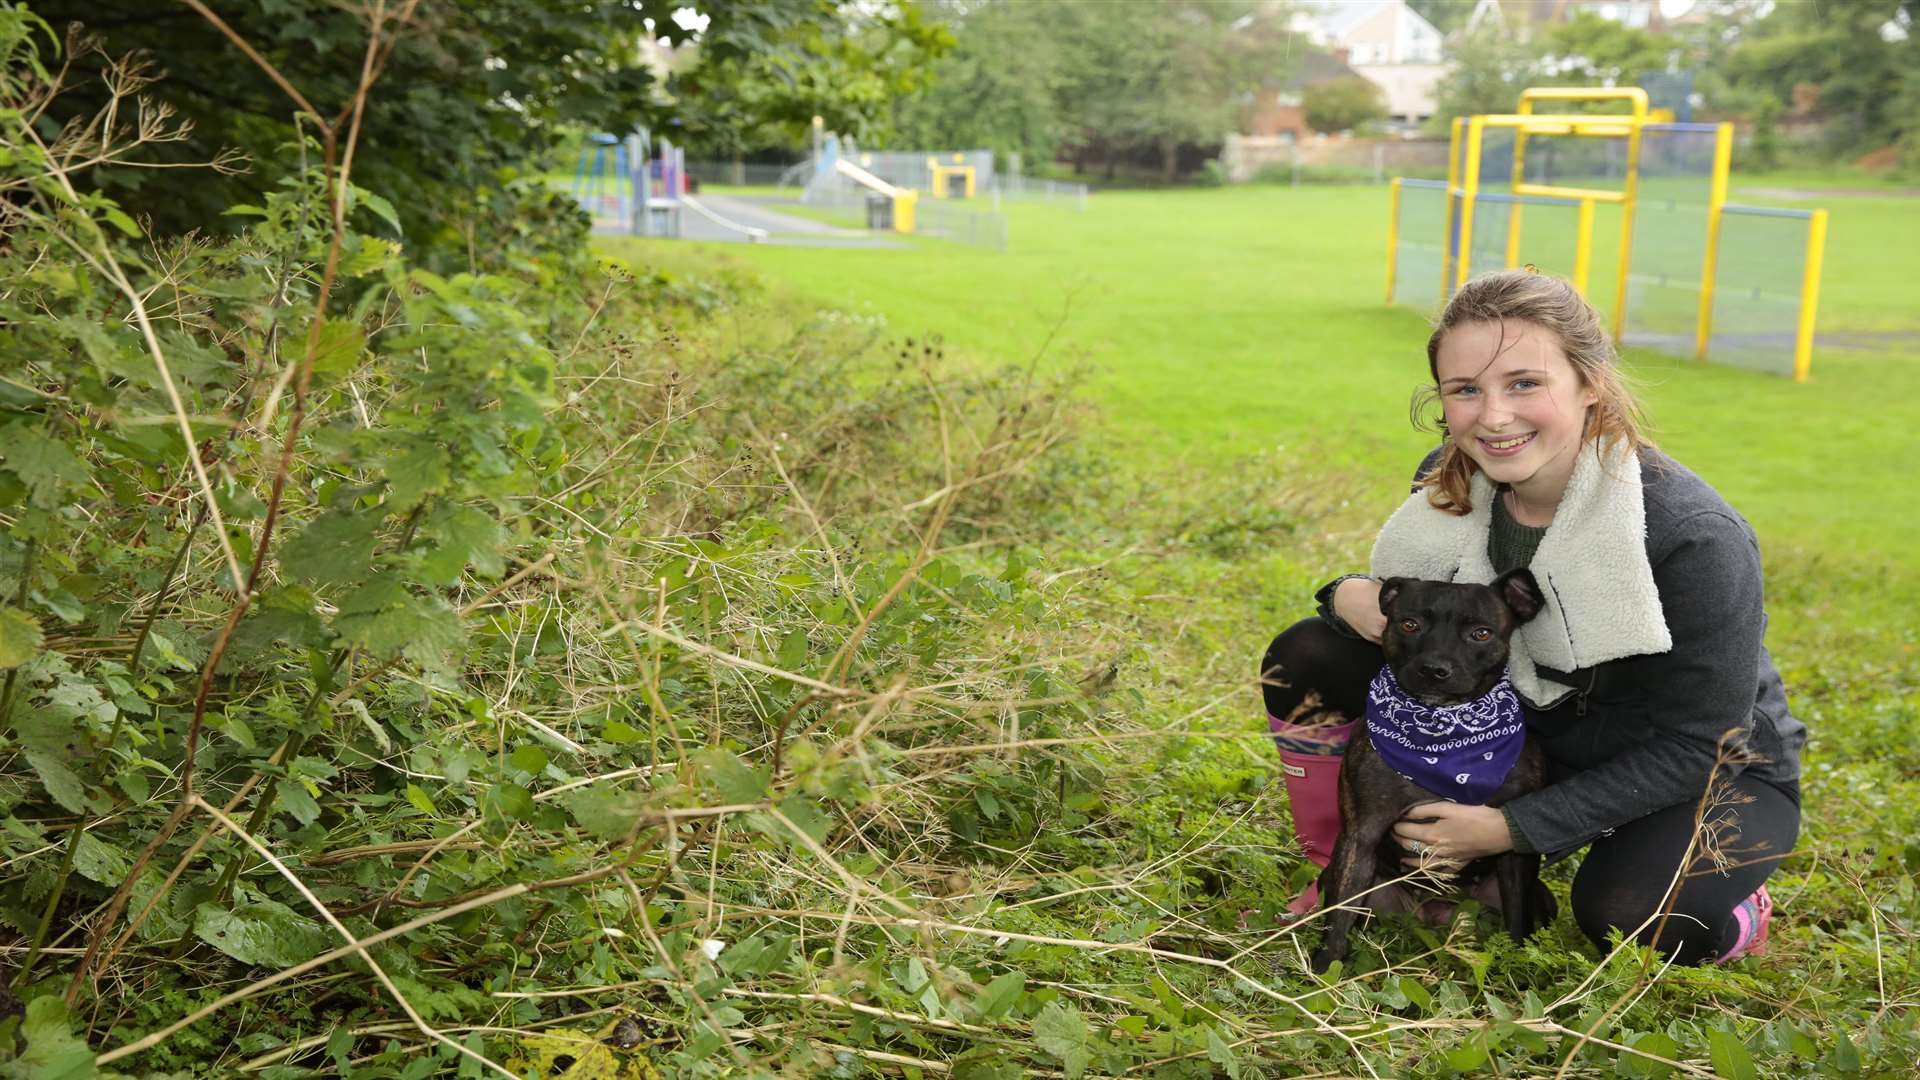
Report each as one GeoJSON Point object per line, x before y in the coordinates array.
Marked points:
{"type": "Point", "coordinates": [1515, 405]}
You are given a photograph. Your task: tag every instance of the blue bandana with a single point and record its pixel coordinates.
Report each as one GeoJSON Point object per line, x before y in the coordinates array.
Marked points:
{"type": "Point", "coordinates": [1461, 753]}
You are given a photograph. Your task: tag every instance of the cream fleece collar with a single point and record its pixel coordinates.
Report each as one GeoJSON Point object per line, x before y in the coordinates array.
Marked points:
{"type": "Point", "coordinates": [1601, 602]}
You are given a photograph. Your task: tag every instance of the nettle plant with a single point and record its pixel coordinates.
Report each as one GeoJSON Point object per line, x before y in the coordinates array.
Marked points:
{"type": "Point", "coordinates": [293, 435]}
{"type": "Point", "coordinates": [342, 601]}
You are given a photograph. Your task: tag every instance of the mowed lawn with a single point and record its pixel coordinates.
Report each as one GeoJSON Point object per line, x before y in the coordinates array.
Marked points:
{"type": "Point", "coordinates": [1220, 323]}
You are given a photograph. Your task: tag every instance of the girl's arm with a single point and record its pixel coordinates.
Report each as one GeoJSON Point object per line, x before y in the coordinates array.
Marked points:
{"type": "Point", "coordinates": [1696, 693]}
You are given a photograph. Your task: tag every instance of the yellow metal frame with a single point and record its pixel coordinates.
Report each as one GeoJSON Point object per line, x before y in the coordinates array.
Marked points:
{"type": "Point", "coordinates": [1463, 194]}
{"type": "Point", "coordinates": [1393, 234]}
{"type": "Point", "coordinates": [1716, 210]}
{"type": "Point", "coordinates": [1810, 294]}
{"type": "Point", "coordinates": [942, 175]}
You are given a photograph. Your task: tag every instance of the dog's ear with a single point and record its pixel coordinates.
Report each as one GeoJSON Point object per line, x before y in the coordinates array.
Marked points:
{"type": "Point", "coordinates": [1521, 593]}
{"type": "Point", "coordinates": [1389, 589]}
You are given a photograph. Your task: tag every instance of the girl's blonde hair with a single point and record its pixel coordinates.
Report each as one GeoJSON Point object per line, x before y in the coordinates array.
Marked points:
{"type": "Point", "coordinates": [1552, 305]}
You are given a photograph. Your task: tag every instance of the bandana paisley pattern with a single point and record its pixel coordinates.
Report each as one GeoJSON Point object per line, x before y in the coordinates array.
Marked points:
{"type": "Point", "coordinates": [1461, 753]}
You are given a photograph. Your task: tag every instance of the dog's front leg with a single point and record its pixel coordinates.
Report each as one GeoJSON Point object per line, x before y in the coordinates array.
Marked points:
{"type": "Point", "coordinates": [1519, 878]}
{"type": "Point", "coordinates": [1355, 860]}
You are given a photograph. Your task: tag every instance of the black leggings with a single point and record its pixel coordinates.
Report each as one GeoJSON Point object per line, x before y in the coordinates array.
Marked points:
{"type": "Point", "coordinates": [1627, 872]}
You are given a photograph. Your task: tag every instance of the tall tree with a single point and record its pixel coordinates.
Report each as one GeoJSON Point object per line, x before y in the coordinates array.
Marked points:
{"type": "Point", "coordinates": [1861, 54]}
{"type": "Point", "coordinates": [477, 86]}
{"type": "Point", "coordinates": [996, 88]}
{"type": "Point", "coordinates": [1179, 71]}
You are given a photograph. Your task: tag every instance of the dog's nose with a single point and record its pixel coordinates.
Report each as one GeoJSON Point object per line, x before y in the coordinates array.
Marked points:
{"type": "Point", "coordinates": [1436, 672]}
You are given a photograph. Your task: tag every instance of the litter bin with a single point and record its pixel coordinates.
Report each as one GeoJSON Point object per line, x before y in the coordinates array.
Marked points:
{"type": "Point", "coordinates": [879, 212]}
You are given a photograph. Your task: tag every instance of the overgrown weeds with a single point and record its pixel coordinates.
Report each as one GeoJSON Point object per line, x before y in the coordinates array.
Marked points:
{"type": "Point", "coordinates": [650, 672]}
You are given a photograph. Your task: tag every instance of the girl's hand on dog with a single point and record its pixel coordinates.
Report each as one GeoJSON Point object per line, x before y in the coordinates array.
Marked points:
{"type": "Point", "coordinates": [1357, 602]}
{"type": "Point", "coordinates": [1452, 833]}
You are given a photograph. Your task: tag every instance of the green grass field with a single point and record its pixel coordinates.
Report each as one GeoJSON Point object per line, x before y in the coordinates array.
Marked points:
{"type": "Point", "coordinates": [1218, 323]}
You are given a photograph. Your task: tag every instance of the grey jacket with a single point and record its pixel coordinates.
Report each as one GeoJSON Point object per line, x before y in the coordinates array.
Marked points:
{"type": "Point", "coordinates": [1638, 733]}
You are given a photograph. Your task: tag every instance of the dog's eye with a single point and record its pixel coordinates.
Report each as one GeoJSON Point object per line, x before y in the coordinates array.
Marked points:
{"type": "Point", "coordinates": [1481, 633]}
{"type": "Point", "coordinates": [1408, 626]}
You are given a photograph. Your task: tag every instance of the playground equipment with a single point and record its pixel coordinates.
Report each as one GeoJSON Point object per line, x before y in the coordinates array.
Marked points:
{"type": "Point", "coordinates": [1692, 273]}
{"type": "Point", "coordinates": [943, 178]}
{"type": "Point", "coordinates": [900, 202]}
{"type": "Point", "coordinates": [650, 200]}
{"type": "Point", "coordinates": [602, 181]}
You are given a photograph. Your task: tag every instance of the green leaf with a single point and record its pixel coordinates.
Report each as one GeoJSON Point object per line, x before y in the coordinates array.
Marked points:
{"type": "Point", "coordinates": [1062, 1032]}
{"type": "Point", "coordinates": [53, 1052]}
{"type": "Point", "coordinates": [334, 547]}
{"type": "Point", "coordinates": [385, 619]}
{"type": "Point", "coordinates": [1729, 1056]}
{"type": "Point", "coordinates": [338, 347]}
{"type": "Point", "coordinates": [1844, 1057]}
{"type": "Point", "coordinates": [20, 637]}
{"type": "Point", "coordinates": [119, 220]}
{"type": "Point", "coordinates": [508, 801]}
{"type": "Point", "coordinates": [1658, 1043]}
{"type": "Point", "coordinates": [1416, 993]}
{"type": "Point", "coordinates": [528, 759]}
{"type": "Point", "coordinates": [463, 535]}
{"type": "Point", "coordinates": [420, 799]}
{"type": "Point", "coordinates": [1468, 1056]}
{"type": "Point", "coordinates": [793, 651]}
{"type": "Point", "coordinates": [100, 861]}
{"type": "Point", "coordinates": [728, 775]}
{"type": "Point", "coordinates": [604, 811]}
{"type": "Point", "coordinates": [421, 471]}
{"type": "Point", "coordinates": [999, 995]}
{"type": "Point", "coordinates": [295, 799]}
{"type": "Point", "coordinates": [379, 206]}
{"type": "Point", "coordinates": [1221, 1054]}
{"type": "Point", "coordinates": [45, 465]}
{"type": "Point", "coordinates": [62, 784]}
{"type": "Point", "coordinates": [265, 933]}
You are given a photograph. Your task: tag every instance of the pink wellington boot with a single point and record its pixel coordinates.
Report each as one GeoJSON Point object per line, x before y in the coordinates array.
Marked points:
{"type": "Point", "coordinates": [1754, 915]}
{"type": "Point", "coordinates": [1310, 758]}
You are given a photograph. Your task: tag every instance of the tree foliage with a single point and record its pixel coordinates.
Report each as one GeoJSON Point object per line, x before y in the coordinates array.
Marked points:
{"type": "Point", "coordinates": [1343, 104]}
{"type": "Point", "coordinates": [1102, 87]}
{"type": "Point", "coordinates": [476, 88]}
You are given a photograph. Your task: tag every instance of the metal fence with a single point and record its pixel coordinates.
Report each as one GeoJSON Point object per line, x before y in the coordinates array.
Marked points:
{"type": "Point", "coordinates": [739, 173]}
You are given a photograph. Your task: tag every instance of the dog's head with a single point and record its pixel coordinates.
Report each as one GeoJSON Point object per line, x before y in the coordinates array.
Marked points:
{"type": "Point", "coordinates": [1446, 642]}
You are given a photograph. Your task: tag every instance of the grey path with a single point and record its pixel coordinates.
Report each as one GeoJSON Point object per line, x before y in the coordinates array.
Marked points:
{"type": "Point", "coordinates": [782, 228]}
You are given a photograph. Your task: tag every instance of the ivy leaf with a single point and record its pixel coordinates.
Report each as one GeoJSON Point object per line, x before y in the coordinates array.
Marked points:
{"type": "Point", "coordinates": [264, 932]}
{"type": "Point", "coordinates": [53, 1052]}
{"type": "Point", "coordinates": [334, 547]}
{"type": "Point", "coordinates": [385, 619]}
{"type": "Point", "coordinates": [1063, 1033]}
{"type": "Point", "coordinates": [20, 637]}
{"type": "Point", "coordinates": [45, 465]}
